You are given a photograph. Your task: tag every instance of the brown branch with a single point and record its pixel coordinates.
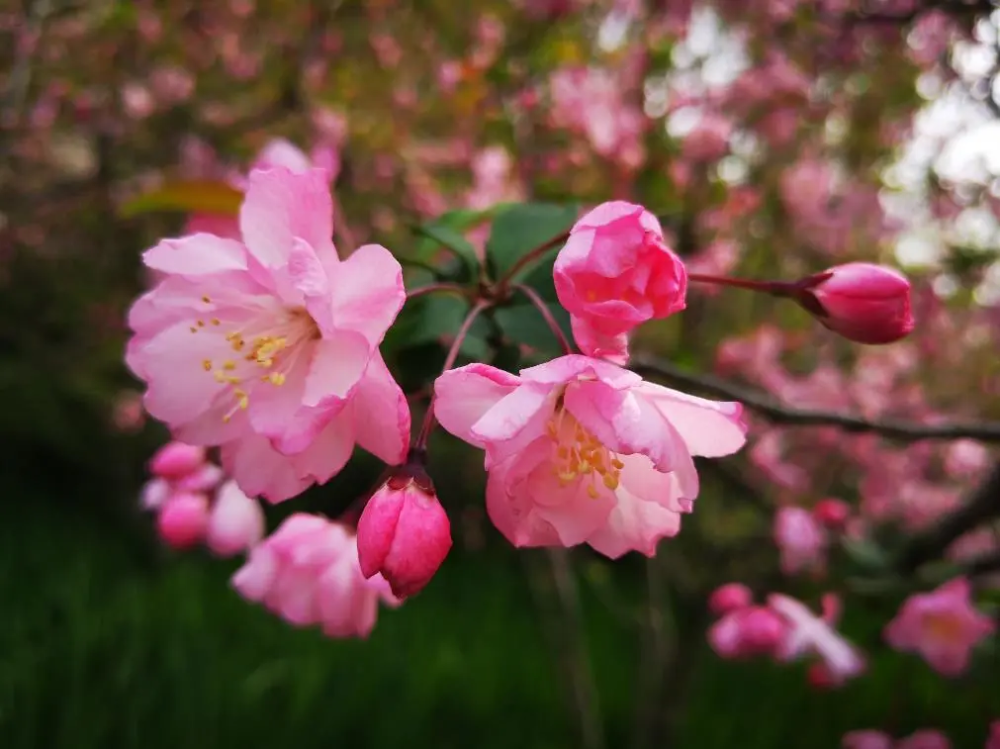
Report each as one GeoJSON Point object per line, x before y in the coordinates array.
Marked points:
{"type": "Point", "coordinates": [778, 413]}
{"type": "Point", "coordinates": [982, 505]}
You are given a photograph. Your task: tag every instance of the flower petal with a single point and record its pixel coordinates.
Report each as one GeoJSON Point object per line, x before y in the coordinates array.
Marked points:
{"type": "Point", "coordinates": [196, 255]}
{"type": "Point", "coordinates": [709, 428]}
{"type": "Point", "coordinates": [463, 395]}
{"type": "Point", "coordinates": [381, 414]}
{"type": "Point", "coordinates": [367, 292]}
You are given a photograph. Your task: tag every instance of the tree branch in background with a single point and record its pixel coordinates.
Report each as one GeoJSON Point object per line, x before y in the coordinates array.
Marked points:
{"type": "Point", "coordinates": [778, 413]}
{"type": "Point", "coordinates": [982, 505]}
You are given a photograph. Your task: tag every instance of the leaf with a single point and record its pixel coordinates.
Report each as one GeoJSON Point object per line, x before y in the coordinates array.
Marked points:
{"type": "Point", "coordinates": [523, 323]}
{"type": "Point", "coordinates": [433, 318]}
{"type": "Point", "coordinates": [522, 228]}
{"type": "Point", "coordinates": [193, 196]}
{"type": "Point", "coordinates": [454, 241]}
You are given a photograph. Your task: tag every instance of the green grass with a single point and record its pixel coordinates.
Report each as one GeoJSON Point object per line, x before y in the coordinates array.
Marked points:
{"type": "Point", "coordinates": [102, 648]}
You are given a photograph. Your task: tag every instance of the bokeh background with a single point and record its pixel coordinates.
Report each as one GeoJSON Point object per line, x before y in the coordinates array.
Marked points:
{"type": "Point", "coordinates": [774, 137]}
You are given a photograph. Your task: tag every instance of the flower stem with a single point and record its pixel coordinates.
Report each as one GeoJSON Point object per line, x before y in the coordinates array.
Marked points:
{"type": "Point", "coordinates": [420, 443]}
{"type": "Point", "coordinates": [528, 258]}
{"type": "Point", "coordinates": [432, 288]}
{"type": "Point", "coordinates": [546, 313]}
{"type": "Point", "coordinates": [777, 288]}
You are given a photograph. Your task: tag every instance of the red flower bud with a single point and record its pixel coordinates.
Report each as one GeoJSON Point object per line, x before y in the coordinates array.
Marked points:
{"type": "Point", "coordinates": [729, 597]}
{"type": "Point", "coordinates": [832, 513]}
{"type": "Point", "coordinates": [403, 533]}
{"type": "Point", "coordinates": [863, 302]}
{"type": "Point", "coordinates": [183, 519]}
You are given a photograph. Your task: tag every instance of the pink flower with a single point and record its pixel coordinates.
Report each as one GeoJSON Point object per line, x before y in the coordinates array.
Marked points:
{"type": "Point", "coordinates": [176, 460]}
{"type": "Point", "coordinates": [709, 140]}
{"type": "Point", "coordinates": [746, 632]}
{"type": "Point", "coordinates": [993, 740]}
{"type": "Point", "coordinates": [614, 273]}
{"type": "Point", "coordinates": [925, 739]}
{"type": "Point", "coordinates": [235, 523]}
{"type": "Point", "coordinates": [866, 740]}
{"type": "Point", "coordinates": [183, 519]}
{"type": "Point", "coordinates": [808, 634]}
{"type": "Point", "coordinates": [269, 346]}
{"type": "Point", "coordinates": [307, 573]}
{"type": "Point", "coordinates": [942, 626]}
{"type": "Point", "coordinates": [863, 302]}
{"type": "Point", "coordinates": [404, 534]}
{"type": "Point", "coordinates": [729, 597]}
{"type": "Point", "coordinates": [579, 450]}
{"type": "Point", "coordinates": [800, 539]}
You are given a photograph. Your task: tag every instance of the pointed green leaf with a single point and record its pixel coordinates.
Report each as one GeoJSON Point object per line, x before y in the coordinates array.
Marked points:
{"type": "Point", "coordinates": [192, 196]}
{"type": "Point", "coordinates": [521, 228]}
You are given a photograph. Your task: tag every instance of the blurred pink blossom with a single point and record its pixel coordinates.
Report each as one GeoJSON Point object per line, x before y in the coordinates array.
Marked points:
{"type": "Point", "coordinates": [235, 522]}
{"type": "Point", "coordinates": [800, 539]}
{"type": "Point", "coordinates": [810, 635]}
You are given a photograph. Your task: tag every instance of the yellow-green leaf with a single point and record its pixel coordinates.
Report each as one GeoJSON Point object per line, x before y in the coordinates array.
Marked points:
{"type": "Point", "coordinates": [190, 196]}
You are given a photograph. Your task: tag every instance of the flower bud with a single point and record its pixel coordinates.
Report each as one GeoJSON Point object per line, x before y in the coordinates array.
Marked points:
{"type": "Point", "coordinates": [729, 597]}
{"type": "Point", "coordinates": [176, 460]}
{"type": "Point", "coordinates": [403, 533]}
{"type": "Point", "coordinates": [863, 302]}
{"type": "Point", "coordinates": [832, 513]}
{"type": "Point", "coordinates": [762, 630]}
{"type": "Point", "coordinates": [236, 522]}
{"type": "Point", "coordinates": [183, 519]}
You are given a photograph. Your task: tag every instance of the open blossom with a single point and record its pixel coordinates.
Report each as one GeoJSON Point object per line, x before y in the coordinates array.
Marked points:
{"type": "Point", "coordinates": [307, 573]}
{"type": "Point", "coordinates": [808, 634]}
{"type": "Point", "coordinates": [942, 626]}
{"type": "Point", "coordinates": [404, 534]}
{"type": "Point", "coordinates": [614, 273]}
{"type": "Point", "coordinates": [801, 540]}
{"type": "Point", "coordinates": [269, 346]}
{"type": "Point", "coordinates": [579, 450]}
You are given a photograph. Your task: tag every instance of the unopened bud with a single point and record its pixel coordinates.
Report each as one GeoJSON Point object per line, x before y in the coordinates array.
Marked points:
{"type": "Point", "coordinates": [863, 302]}
{"type": "Point", "coordinates": [236, 522]}
{"type": "Point", "coordinates": [729, 597]}
{"type": "Point", "coordinates": [176, 460]}
{"type": "Point", "coordinates": [183, 519]}
{"type": "Point", "coordinates": [404, 533]}
{"type": "Point", "coordinates": [832, 513]}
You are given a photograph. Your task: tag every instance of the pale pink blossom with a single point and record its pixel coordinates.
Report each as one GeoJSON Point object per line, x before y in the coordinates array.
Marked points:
{"type": "Point", "coordinates": [307, 573]}
{"type": "Point", "coordinates": [867, 739]}
{"type": "Point", "coordinates": [235, 523]}
{"type": "Point", "coordinates": [729, 597]}
{"type": "Point", "coordinates": [614, 273]}
{"type": "Point", "coordinates": [269, 346]}
{"type": "Point", "coordinates": [183, 520]}
{"type": "Point", "coordinates": [403, 534]}
{"type": "Point", "coordinates": [942, 626]}
{"type": "Point", "coordinates": [579, 450]}
{"type": "Point", "coordinates": [809, 635]}
{"type": "Point", "coordinates": [800, 539]}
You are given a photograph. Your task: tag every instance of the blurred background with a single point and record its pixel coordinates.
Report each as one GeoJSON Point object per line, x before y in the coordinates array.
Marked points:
{"type": "Point", "coordinates": [774, 138]}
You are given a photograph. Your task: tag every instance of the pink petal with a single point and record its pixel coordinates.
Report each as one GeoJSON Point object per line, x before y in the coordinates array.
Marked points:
{"type": "Point", "coordinates": [518, 419]}
{"type": "Point", "coordinates": [573, 366]}
{"type": "Point", "coordinates": [281, 206]}
{"type": "Point", "coordinates": [338, 364]}
{"type": "Point", "coordinates": [592, 342]}
{"type": "Point", "coordinates": [368, 292]}
{"type": "Point", "coordinates": [635, 525]}
{"type": "Point", "coordinates": [279, 152]}
{"type": "Point", "coordinates": [260, 470]}
{"type": "Point", "coordinates": [381, 413]}
{"type": "Point", "coordinates": [462, 396]}
{"type": "Point", "coordinates": [196, 255]}
{"type": "Point", "coordinates": [709, 428]}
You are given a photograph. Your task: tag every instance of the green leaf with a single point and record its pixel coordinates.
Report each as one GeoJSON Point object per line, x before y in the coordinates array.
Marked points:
{"type": "Point", "coordinates": [202, 196]}
{"type": "Point", "coordinates": [433, 318]}
{"type": "Point", "coordinates": [454, 241]}
{"type": "Point", "coordinates": [523, 323]}
{"type": "Point", "coordinates": [523, 227]}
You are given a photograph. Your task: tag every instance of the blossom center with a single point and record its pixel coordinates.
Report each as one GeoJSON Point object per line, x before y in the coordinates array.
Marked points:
{"type": "Point", "coordinates": [943, 627]}
{"type": "Point", "coordinates": [271, 342]}
{"type": "Point", "coordinates": [577, 455]}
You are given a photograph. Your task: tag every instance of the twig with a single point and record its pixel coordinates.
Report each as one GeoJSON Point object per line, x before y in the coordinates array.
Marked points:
{"type": "Point", "coordinates": [546, 313]}
{"type": "Point", "coordinates": [778, 413]}
{"type": "Point", "coordinates": [983, 504]}
{"type": "Point", "coordinates": [432, 288]}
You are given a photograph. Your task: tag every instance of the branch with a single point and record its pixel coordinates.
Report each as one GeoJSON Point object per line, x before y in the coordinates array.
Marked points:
{"type": "Point", "coordinates": [983, 504]}
{"type": "Point", "coordinates": [906, 431]}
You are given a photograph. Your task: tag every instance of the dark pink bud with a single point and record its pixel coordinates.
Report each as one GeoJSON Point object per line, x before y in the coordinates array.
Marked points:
{"type": "Point", "coordinates": [819, 676]}
{"type": "Point", "coordinates": [176, 460]}
{"type": "Point", "coordinates": [863, 302]}
{"type": "Point", "coordinates": [183, 520]}
{"type": "Point", "coordinates": [403, 533]}
{"type": "Point", "coordinates": [762, 630]}
{"type": "Point", "coordinates": [832, 513]}
{"type": "Point", "coordinates": [729, 597]}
